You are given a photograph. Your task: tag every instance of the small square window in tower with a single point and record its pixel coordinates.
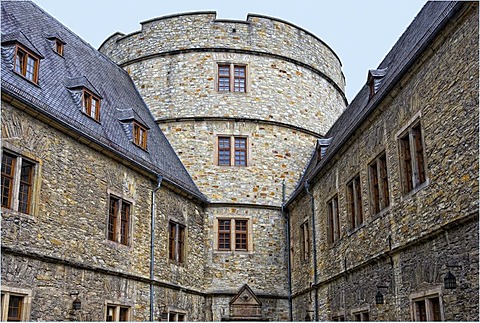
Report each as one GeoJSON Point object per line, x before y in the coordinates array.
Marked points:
{"type": "Point", "coordinates": [231, 78]}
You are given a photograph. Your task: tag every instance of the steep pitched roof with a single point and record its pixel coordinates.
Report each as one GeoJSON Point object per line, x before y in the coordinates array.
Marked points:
{"type": "Point", "coordinates": [83, 66]}
{"type": "Point", "coordinates": [426, 25]}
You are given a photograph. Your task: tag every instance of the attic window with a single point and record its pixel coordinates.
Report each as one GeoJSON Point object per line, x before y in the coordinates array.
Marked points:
{"type": "Point", "coordinates": [59, 47]}
{"type": "Point", "coordinates": [91, 104]}
{"type": "Point", "coordinates": [322, 146]}
{"type": "Point", "coordinates": [26, 64]}
{"type": "Point", "coordinates": [139, 135]}
{"type": "Point", "coordinates": [374, 80]}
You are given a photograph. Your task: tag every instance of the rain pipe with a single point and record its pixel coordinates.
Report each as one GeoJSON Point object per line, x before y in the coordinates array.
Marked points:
{"type": "Point", "coordinates": [152, 242]}
{"type": "Point", "coordinates": [289, 265]}
{"type": "Point", "coordinates": [307, 186]}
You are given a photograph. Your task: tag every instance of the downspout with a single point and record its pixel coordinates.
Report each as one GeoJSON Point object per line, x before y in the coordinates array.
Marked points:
{"type": "Point", "coordinates": [289, 265]}
{"type": "Point", "coordinates": [307, 186]}
{"type": "Point", "coordinates": [152, 242]}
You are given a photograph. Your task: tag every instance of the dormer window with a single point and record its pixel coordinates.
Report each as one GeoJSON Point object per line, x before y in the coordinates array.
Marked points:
{"type": "Point", "coordinates": [374, 80]}
{"type": "Point", "coordinates": [26, 64]}
{"type": "Point", "coordinates": [59, 47]}
{"type": "Point", "coordinates": [139, 135]}
{"type": "Point", "coordinates": [91, 105]}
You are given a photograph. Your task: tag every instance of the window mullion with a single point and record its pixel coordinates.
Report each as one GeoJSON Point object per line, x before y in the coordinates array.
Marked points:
{"type": "Point", "coordinates": [16, 184]}
{"type": "Point", "coordinates": [232, 78]}
{"type": "Point", "coordinates": [413, 160]}
{"type": "Point", "coordinates": [232, 235]}
{"type": "Point", "coordinates": [232, 151]}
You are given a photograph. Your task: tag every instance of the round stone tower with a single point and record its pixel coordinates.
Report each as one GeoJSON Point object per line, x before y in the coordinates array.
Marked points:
{"type": "Point", "coordinates": [243, 104]}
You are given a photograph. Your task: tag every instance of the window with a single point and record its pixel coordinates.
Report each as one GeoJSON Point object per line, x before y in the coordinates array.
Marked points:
{"type": "Point", "coordinates": [26, 64]}
{"type": "Point", "coordinates": [176, 245]}
{"type": "Point", "coordinates": [232, 78]}
{"type": "Point", "coordinates": [233, 234]}
{"type": "Point", "coordinates": [412, 161]}
{"type": "Point", "coordinates": [232, 151]}
{"type": "Point", "coordinates": [427, 309]}
{"type": "Point", "coordinates": [91, 105]}
{"type": "Point", "coordinates": [117, 313]}
{"type": "Point", "coordinates": [333, 218]}
{"type": "Point", "coordinates": [15, 304]}
{"type": "Point", "coordinates": [17, 183]}
{"type": "Point", "coordinates": [59, 47]}
{"type": "Point", "coordinates": [361, 316]}
{"type": "Point", "coordinates": [354, 196]}
{"type": "Point", "coordinates": [338, 318]}
{"type": "Point", "coordinates": [139, 136]}
{"type": "Point", "coordinates": [176, 317]}
{"type": "Point", "coordinates": [305, 241]}
{"type": "Point", "coordinates": [379, 184]}
{"type": "Point", "coordinates": [118, 220]}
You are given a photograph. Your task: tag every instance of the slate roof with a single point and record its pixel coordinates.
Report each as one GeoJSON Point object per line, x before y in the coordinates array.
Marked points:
{"type": "Point", "coordinates": [82, 65]}
{"type": "Point", "coordinates": [424, 28]}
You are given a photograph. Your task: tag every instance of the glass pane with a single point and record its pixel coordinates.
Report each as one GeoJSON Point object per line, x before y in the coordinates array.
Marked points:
{"type": "Point", "coordinates": [19, 68]}
{"type": "Point", "coordinates": [123, 317]}
{"type": "Point", "coordinates": [30, 68]}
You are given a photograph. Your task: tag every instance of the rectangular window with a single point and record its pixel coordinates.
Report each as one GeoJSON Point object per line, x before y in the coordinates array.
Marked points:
{"type": "Point", "coordinates": [233, 234]}
{"type": "Point", "coordinates": [91, 105]}
{"type": "Point", "coordinates": [176, 317]}
{"type": "Point", "coordinates": [26, 64]}
{"type": "Point", "coordinates": [176, 246]}
{"type": "Point", "coordinates": [412, 160]}
{"type": "Point", "coordinates": [232, 78]}
{"type": "Point", "coordinates": [117, 313]}
{"type": "Point", "coordinates": [333, 219]}
{"type": "Point", "coordinates": [338, 318]}
{"type": "Point", "coordinates": [232, 151]}
{"type": "Point", "coordinates": [139, 136]}
{"type": "Point", "coordinates": [379, 184]}
{"type": "Point", "coordinates": [17, 183]}
{"type": "Point", "coordinates": [59, 47]}
{"type": "Point", "coordinates": [354, 195]}
{"type": "Point", "coordinates": [118, 226]}
{"type": "Point", "coordinates": [427, 309]}
{"type": "Point", "coordinates": [363, 316]}
{"type": "Point", "coordinates": [305, 241]}
{"type": "Point", "coordinates": [15, 304]}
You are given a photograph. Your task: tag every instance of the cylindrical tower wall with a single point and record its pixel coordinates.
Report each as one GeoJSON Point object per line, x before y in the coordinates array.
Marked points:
{"type": "Point", "coordinates": [293, 93]}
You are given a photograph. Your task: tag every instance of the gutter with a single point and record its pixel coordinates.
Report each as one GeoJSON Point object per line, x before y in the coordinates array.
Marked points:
{"type": "Point", "coordinates": [152, 242]}
{"type": "Point", "coordinates": [314, 241]}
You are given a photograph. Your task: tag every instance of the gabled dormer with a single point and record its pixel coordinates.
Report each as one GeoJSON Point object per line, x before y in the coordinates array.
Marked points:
{"type": "Point", "coordinates": [86, 96]}
{"type": "Point", "coordinates": [374, 80]}
{"type": "Point", "coordinates": [135, 127]}
{"type": "Point", "coordinates": [24, 57]}
{"type": "Point", "coordinates": [57, 43]}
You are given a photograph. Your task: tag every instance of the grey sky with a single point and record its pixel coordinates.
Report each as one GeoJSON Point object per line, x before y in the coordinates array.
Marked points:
{"type": "Point", "coordinates": [361, 32]}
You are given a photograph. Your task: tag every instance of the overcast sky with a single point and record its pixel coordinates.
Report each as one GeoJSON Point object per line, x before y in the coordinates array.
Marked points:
{"type": "Point", "coordinates": [361, 32]}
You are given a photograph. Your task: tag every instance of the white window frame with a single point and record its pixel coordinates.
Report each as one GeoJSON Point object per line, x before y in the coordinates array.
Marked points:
{"type": "Point", "coordinates": [26, 302]}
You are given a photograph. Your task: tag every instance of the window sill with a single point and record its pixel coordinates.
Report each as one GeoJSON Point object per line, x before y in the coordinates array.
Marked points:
{"type": "Point", "coordinates": [354, 230]}
{"type": "Point", "coordinates": [17, 216]}
{"type": "Point", "coordinates": [413, 192]}
{"type": "Point", "coordinates": [380, 213]}
{"type": "Point", "coordinates": [117, 245]}
{"type": "Point", "coordinates": [232, 252]}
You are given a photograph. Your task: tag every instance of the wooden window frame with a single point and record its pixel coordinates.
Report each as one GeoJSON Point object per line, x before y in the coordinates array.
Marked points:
{"type": "Point", "coordinates": [361, 316]}
{"type": "Point", "coordinates": [354, 198]}
{"type": "Point", "coordinates": [59, 46]}
{"type": "Point", "coordinates": [174, 316]}
{"type": "Point", "coordinates": [412, 158]}
{"type": "Point", "coordinates": [22, 60]}
{"type": "Point", "coordinates": [139, 135]}
{"type": "Point", "coordinates": [233, 237]}
{"type": "Point", "coordinates": [119, 220]}
{"type": "Point", "coordinates": [237, 155]}
{"type": "Point", "coordinates": [21, 187]}
{"type": "Point", "coordinates": [117, 313]}
{"type": "Point", "coordinates": [379, 189]}
{"type": "Point", "coordinates": [428, 308]}
{"type": "Point", "coordinates": [232, 81]}
{"type": "Point", "coordinates": [333, 220]}
{"type": "Point", "coordinates": [338, 318]}
{"type": "Point", "coordinates": [88, 100]}
{"type": "Point", "coordinates": [176, 242]}
{"type": "Point", "coordinates": [23, 311]}
{"type": "Point", "coordinates": [305, 243]}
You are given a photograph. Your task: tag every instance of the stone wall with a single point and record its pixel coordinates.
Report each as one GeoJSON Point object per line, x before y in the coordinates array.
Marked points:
{"type": "Point", "coordinates": [200, 30]}
{"type": "Point", "coordinates": [407, 246]}
{"type": "Point", "coordinates": [63, 248]}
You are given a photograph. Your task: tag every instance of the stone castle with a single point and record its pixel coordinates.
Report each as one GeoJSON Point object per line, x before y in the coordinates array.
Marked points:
{"type": "Point", "coordinates": [212, 170]}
